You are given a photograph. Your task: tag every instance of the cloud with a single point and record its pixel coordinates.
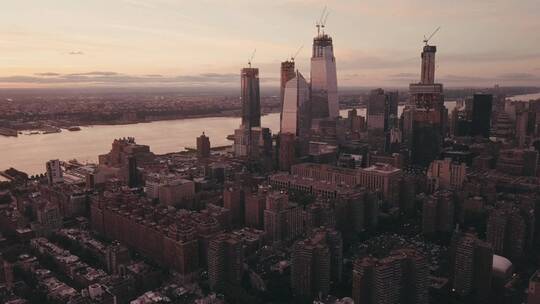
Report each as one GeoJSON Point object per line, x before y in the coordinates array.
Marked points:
{"type": "Point", "coordinates": [517, 76]}
{"type": "Point", "coordinates": [76, 53]}
{"type": "Point", "coordinates": [95, 73]}
{"type": "Point", "coordinates": [114, 78]}
{"type": "Point", "coordinates": [47, 74]}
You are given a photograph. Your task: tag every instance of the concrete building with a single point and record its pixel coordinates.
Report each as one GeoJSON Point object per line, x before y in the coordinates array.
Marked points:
{"type": "Point", "coordinates": [438, 212]}
{"type": "Point", "coordinates": [446, 174]}
{"type": "Point", "coordinates": [176, 191]}
{"type": "Point", "coordinates": [234, 201]}
{"type": "Point", "coordinates": [225, 261]}
{"type": "Point", "coordinates": [315, 263]}
{"type": "Point", "coordinates": [287, 151]}
{"type": "Point", "coordinates": [533, 292]}
{"type": "Point", "coordinates": [428, 112]}
{"type": "Point", "coordinates": [509, 231]}
{"type": "Point", "coordinates": [379, 177]}
{"type": "Point", "coordinates": [254, 210]}
{"type": "Point", "coordinates": [518, 162]}
{"type": "Point", "coordinates": [54, 172]}
{"type": "Point", "coordinates": [401, 277]}
{"type": "Point", "coordinates": [203, 146]}
{"type": "Point", "coordinates": [471, 262]}
{"type": "Point", "coordinates": [283, 221]}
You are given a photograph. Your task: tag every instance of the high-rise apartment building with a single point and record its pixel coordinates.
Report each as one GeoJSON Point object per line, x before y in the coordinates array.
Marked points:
{"type": "Point", "coordinates": [283, 221]}
{"type": "Point", "coordinates": [203, 146]}
{"type": "Point", "coordinates": [438, 212]}
{"type": "Point", "coordinates": [316, 262]}
{"type": "Point", "coordinates": [509, 231]}
{"type": "Point", "coordinates": [225, 261]}
{"type": "Point", "coordinates": [254, 209]}
{"type": "Point", "coordinates": [233, 200]}
{"type": "Point", "coordinates": [471, 265]}
{"type": "Point", "coordinates": [401, 277]}
{"type": "Point", "coordinates": [54, 172]}
{"type": "Point", "coordinates": [287, 151]}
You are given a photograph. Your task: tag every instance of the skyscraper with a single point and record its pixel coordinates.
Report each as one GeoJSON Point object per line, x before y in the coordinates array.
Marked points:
{"type": "Point", "coordinates": [324, 78]}
{"type": "Point", "coordinates": [295, 113]}
{"type": "Point", "coordinates": [376, 110]}
{"type": "Point", "coordinates": [203, 146]}
{"type": "Point", "coordinates": [381, 114]}
{"type": "Point", "coordinates": [251, 101]}
{"type": "Point", "coordinates": [481, 115]}
{"type": "Point", "coordinates": [427, 102]}
{"type": "Point", "coordinates": [287, 73]}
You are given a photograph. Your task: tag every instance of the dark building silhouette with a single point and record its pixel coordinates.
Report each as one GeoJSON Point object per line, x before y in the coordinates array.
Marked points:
{"type": "Point", "coordinates": [401, 277]}
{"type": "Point", "coordinates": [203, 146]}
{"type": "Point", "coordinates": [251, 100]}
{"type": "Point", "coordinates": [481, 115]}
{"type": "Point", "coordinates": [225, 261]}
{"type": "Point", "coordinates": [315, 262]}
{"type": "Point", "coordinates": [427, 122]}
{"type": "Point", "coordinates": [471, 265]}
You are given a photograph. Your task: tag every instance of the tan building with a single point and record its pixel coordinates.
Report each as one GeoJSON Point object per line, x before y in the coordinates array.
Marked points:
{"type": "Point", "coordinates": [379, 177]}
{"type": "Point", "coordinates": [446, 174]}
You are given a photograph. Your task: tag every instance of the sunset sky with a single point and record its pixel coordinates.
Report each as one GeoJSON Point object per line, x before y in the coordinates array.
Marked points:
{"type": "Point", "coordinates": [206, 42]}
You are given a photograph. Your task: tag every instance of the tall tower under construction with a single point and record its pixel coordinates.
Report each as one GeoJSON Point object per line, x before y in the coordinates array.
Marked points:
{"type": "Point", "coordinates": [429, 114]}
{"type": "Point", "coordinates": [251, 100]}
{"type": "Point", "coordinates": [324, 93]}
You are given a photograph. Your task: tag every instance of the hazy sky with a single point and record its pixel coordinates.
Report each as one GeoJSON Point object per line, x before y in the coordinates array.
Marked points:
{"type": "Point", "coordinates": [206, 42]}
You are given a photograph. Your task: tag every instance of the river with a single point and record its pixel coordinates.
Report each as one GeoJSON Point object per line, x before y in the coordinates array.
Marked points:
{"type": "Point", "coordinates": [525, 97]}
{"type": "Point", "coordinates": [29, 153]}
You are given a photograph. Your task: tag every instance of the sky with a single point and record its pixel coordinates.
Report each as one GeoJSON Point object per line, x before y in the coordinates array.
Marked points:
{"type": "Point", "coordinates": [77, 43]}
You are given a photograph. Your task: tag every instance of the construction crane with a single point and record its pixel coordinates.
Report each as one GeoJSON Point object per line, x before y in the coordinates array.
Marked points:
{"type": "Point", "coordinates": [319, 24]}
{"type": "Point", "coordinates": [297, 52]}
{"type": "Point", "coordinates": [323, 21]}
{"type": "Point", "coordinates": [251, 58]}
{"type": "Point", "coordinates": [426, 40]}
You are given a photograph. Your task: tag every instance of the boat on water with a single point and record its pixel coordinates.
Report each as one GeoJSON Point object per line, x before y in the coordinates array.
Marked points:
{"type": "Point", "coordinates": [34, 133]}
{"type": "Point", "coordinates": [74, 128]}
{"type": "Point", "coordinates": [230, 137]}
{"type": "Point", "coordinates": [51, 129]}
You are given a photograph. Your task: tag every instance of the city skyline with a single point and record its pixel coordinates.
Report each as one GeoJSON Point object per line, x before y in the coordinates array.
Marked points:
{"type": "Point", "coordinates": [167, 43]}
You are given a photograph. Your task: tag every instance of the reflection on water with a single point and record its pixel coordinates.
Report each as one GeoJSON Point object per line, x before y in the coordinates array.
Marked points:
{"type": "Point", "coordinates": [30, 152]}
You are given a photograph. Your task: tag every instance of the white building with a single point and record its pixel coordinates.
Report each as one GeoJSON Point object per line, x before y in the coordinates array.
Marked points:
{"type": "Point", "coordinates": [324, 92]}
{"type": "Point", "coordinates": [295, 118]}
